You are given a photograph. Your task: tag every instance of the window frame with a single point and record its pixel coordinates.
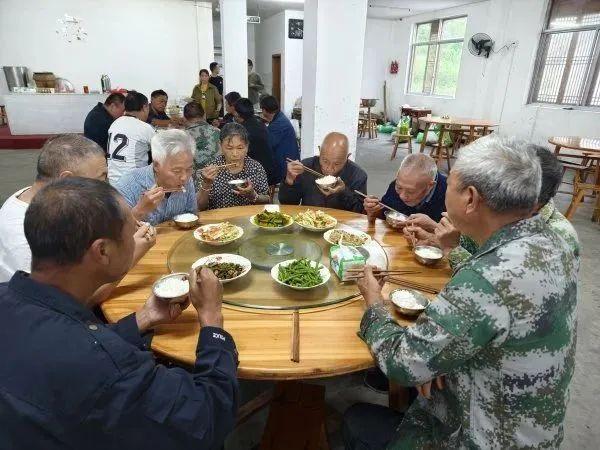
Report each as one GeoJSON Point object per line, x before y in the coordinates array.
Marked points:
{"type": "Point", "coordinates": [592, 72]}
{"type": "Point", "coordinates": [437, 43]}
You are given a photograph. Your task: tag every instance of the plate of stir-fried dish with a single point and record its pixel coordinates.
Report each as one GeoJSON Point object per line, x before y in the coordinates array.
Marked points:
{"type": "Point", "coordinates": [315, 220]}
{"type": "Point", "coordinates": [226, 266]}
{"type": "Point", "coordinates": [271, 220]}
{"type": "Point", "coordinates": [218, 234]}
{"type": "Point", "coordinates": [353, 238]}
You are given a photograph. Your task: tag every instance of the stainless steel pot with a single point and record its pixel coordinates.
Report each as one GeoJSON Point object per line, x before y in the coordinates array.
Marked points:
{"type": "Point", "coordinates": [16, 76]}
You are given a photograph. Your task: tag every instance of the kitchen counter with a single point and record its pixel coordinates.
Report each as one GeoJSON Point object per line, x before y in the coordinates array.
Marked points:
{"type": "Point", "coordinates": [30, 113]}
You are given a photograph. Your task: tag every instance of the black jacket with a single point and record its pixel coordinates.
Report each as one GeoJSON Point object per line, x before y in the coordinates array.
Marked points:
{"type": "Point", "coordinates": [260, 149]}
{"type": "Point", "coordinates": [96, 125]}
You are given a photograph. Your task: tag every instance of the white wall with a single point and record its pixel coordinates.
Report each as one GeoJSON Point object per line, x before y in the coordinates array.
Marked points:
{"type": "Point", "coordinates": [251, 36]}
{"type": "Point", "coordinates": [494, 88]}
{"type": "Point", "coordinates": [140, 44]}
{"type": "Point", "coordinates": [292, 65]}
{"type": "Point", "coordinates": [269, 41]}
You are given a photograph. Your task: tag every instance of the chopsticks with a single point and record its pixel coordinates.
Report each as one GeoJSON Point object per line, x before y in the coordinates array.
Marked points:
{"type": "Point", "coordinates": [413, 285]}
{"type": "Point", "coordinates": [308, 169]}
{"type": "Point", "coordinates": [382, 204]}
{"type": "Point", "coordinates": [222, 166]}
{"type": "Point", "coordinates": [181, 189]}
{"type": "Point", "coordinates": [355, 274]}
{"type": "Point", "coordinates": [295, 356]}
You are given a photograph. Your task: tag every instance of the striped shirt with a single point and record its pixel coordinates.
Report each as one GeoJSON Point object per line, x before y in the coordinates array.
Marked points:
{"type": "Point", "coordinates": [133, 185]}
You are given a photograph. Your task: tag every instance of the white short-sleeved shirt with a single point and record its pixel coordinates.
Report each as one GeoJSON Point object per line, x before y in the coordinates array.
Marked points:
{"type": "Point", "coordinates": [128, 146]}
{"type": "Point", "coordinates": [14, 249]}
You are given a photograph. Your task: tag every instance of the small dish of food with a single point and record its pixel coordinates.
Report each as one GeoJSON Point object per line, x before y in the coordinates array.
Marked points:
{"type": "Point", "coordinates": [271, 220]}
{"type": "Point", "coordinates": [353, 238]}
{"type": "Point", "coordinates": [186, 221]}
{"type": "Point", "coordinates": [315, 220]}
{"type": "Point", "coordinates": [327, 182]}
{"type": "Point", "coordinates": [300, 274]}
{"type": "Point", "coordinates": [173, 288]}
{"type": "Point", "coordinates": [395, 219]}
{"type": "Point", "coordinates": [218, 234]}
{"type": "Point", "coordinates": [408, 301]}
{"type": "Point", "coordinates": [226, 266]}
{"type": "Point", "coordinates": [428, 255]}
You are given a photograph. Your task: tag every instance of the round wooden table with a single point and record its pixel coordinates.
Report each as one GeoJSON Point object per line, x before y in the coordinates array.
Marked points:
{"type": "Point", "coordinates": [328, 341]}
{"type": "Point", "coordinates": [582, 144]}
{"type": "Point", "coordinates": [449, 126]}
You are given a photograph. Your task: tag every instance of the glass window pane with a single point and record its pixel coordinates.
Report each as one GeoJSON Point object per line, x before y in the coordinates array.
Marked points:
{"type": "Point", "coordinates": [595, 100]}
{"type": "Point", "coordinates": [454, 28]}
{"type": "Point", "coordinates": [419, 62]}
{"type": "Point", "coordinates": [423, 32]}
{"type": "Point", "coordinates": [578, 61]}
{"type": "Point", "coordinates": [448, 68]}
{"type": "Point", "coordinates": [553, 67]}
{"type": "Point", "coordinates": [574, 13]}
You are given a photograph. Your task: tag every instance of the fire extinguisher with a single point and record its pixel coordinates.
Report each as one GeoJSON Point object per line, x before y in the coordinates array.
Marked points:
{"type": "Point", "coordinates": [394, 67]}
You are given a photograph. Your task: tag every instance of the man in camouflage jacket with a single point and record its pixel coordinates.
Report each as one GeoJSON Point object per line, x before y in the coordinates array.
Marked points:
{"type": "Point", "coordinates": [502, 331]}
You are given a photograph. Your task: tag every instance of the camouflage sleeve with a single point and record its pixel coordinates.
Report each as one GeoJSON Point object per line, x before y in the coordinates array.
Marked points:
{"type": "Point", "coordinates": [457, 256]}
{"type": "Point", "coordinates": [465, 317]}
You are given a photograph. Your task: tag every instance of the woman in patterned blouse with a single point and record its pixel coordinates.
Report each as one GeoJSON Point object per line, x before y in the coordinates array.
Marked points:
{"type": "Point", "coordinates": [215, 190]}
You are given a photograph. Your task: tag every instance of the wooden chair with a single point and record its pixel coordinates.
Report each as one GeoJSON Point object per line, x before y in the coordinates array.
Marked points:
{"type": "Point", "coordinates": [581, 186]}
{"type": "Point", "coordinates": [3, 117]}
{"type": "Point", "coordinates": [408, 140]}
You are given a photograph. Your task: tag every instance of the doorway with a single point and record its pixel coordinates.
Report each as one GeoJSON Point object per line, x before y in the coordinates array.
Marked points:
{"type": "Point", "coordinates": [276, 67]}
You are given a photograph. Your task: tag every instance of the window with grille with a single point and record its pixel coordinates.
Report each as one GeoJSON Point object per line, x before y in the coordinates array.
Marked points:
{"type": "Point", "coordinates": [566, 70]}
{"type": "Point", "coordinates": [436, 50]}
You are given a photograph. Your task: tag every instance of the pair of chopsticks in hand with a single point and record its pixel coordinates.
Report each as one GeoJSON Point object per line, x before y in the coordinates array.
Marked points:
{"type": "Point", "coordinates": [308, 169]}
{"type": "Point", "coordinates": [382, 204]}
{"type": "Point", "coordinates": [167, 191]}
{"type": "Point", "coordinates": [391, 277]}
{"type": "Point", "coordinates": [150, 232]}
{"type": "Point", "coordinates": [223, 166]}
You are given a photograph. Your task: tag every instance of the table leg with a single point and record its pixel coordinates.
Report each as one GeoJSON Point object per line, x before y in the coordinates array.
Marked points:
{"type": "Point", "coordinates": [369, 118]}
{"type": "Point", "coordinates": [596, 213]}
{"type": "Point", "coordinates": [557, 150]}
{"type": "Point", "coordinates": [424, 141]}
{"type": "Point", "coordinates": [471, 134]}
{"type": "Point", "coordinates": [441, 145]}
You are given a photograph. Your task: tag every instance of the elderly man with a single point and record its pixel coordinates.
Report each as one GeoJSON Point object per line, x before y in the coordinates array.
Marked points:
{"type": "Point", "coordinates": [62, 156]}
{"type": "Point", "coordinates": [129, 138]}
{"type": "Point", "coordinates": [418, 189]}
{"type": "Point", "coordinates": [69, 381]}
{"type": "Point", "coordinates": [101, 117]}
{"type": "Point", "coordinates": [299, 187]}
{"type": "Point", "coordinates": [502, 331]}
{"type": "Point", "coordinates": [205, 135]}
{"type": "Point", "coordinates": [165, 188]}
{"type": "Point", "coordinates": [282, 136]}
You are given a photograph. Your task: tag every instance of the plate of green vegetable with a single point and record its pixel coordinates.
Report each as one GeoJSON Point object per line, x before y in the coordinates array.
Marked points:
{"type": "Point", "coordinates": [300, 274]}
{"type": "Point", "coordinates": [271, 220]}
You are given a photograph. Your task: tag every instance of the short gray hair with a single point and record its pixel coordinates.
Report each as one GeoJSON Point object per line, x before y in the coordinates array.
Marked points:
{"type": "Point", "coordinates": [234, 129]}
{"type": "Point", "coordinates": [65, 152]}
{"type": "Point", "coordinates": [167, 143]}
{"type": "Point", "coordinates": [505, 171]}
{"type": "Point", "coordinates": [420, 163]}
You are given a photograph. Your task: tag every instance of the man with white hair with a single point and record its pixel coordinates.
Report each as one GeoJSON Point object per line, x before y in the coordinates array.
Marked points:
{"type": "Point", "coordinates": [163, 189]}
{"type": "Point", "coordinates": [502, 331]}
{"type": "Point", "coordinates": [418, 189]}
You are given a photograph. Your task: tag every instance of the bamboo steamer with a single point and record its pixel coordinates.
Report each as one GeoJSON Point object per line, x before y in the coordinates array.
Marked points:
{"type": "Point", "coordinates": [44, 79]}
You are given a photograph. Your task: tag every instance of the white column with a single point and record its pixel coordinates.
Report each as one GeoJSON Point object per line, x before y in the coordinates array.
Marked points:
{"type": "Point", "coordinates": [334, 39]}
{"type": "Point", "coordinates": [234, 42]}
{"type": "Point", "coordinates": [204, 33]}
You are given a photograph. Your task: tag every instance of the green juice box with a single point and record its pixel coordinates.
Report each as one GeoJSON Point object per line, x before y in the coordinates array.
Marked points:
{"type": "Point", "coordinates": [344, 257]}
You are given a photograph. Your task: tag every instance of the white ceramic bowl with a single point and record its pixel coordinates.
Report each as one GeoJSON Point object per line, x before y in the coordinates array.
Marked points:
{"type": "Point", "coordinates": [426, 260]}
{"type": "Point", "coordinates": [184, 223]}
{"type": "Point", "coordinates": [325, 274]}
{"type": "Point", "coordinates": [324, 183]}
{"type": "Point", "coordinates": [237, 183]}
{"type": "Point", "coordinates": [198, 230]}
{"type": "Point", "coordinates": [289, 224]}
{"type": "Point", "coordinates": [176, 299]}
{"type": "Point", "coordinates": [394, 219]}
{"type": "Point", "coordinates": [419, 297]}
{"type": "Point", "coordinates": [327, 237]}
{"type": "Point", "coordinates": [225, 258]}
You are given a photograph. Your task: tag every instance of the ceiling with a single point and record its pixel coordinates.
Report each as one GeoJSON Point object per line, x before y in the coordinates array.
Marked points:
{"type": "Point", "coordinates": [378, 9]}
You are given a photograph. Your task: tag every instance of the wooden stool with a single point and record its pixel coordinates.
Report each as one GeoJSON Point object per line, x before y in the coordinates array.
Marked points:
{"type": "Point", "coordinates": [580, 187]}
{"type": "Point", "coordinates": [408, 138]}
{"type": "Point", "coordinates": [3, 117]}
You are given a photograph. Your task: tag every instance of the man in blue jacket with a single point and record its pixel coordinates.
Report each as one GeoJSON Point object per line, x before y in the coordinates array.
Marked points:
{"type": "Point", "coordinates": [419, 189]}
{"type": "Point", "coordinates": [282, 136]}
{"type": "Point", "coordinates": [69, 381]}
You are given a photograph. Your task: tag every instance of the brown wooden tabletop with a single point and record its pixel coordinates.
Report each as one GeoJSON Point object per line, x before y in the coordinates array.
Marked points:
{"type": "Point", "coordinates": [328, 343]}
{"type": "Point", "coordinates": [459, 121]}
{"type": "Point", "coordinates": [588, 144]}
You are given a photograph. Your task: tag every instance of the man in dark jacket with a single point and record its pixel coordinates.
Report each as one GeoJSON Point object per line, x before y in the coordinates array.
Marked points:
{"type": "Point", "coordinates": [282, 135]}
{"type": "Point", "coordinates": [69, 381]}
{"type": "Point", "coordinates": [259, 148]}
{"type": "Point", "coordinates": [101, 117]}
{"type": "Point", "coordinates": [299, 186]}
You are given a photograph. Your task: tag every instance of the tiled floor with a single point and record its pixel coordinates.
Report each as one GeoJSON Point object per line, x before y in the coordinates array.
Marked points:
{"type": "Point", "coordinates": [17, 169]}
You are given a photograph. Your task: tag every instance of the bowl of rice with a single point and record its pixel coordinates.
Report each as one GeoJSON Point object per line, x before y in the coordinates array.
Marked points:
{"type": "Point", "coordinates": [186, 221]}
{"type": "Point", "coordinates": [408, 301]}
{"type": "Point", "coordinates": [326, 182]}
{"type": "Point", "coordinates": [395, 219]}
{"type": "Point", "coordinates": [173, 288]}
{"type": "Point", "coordinates": [428, 255]}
